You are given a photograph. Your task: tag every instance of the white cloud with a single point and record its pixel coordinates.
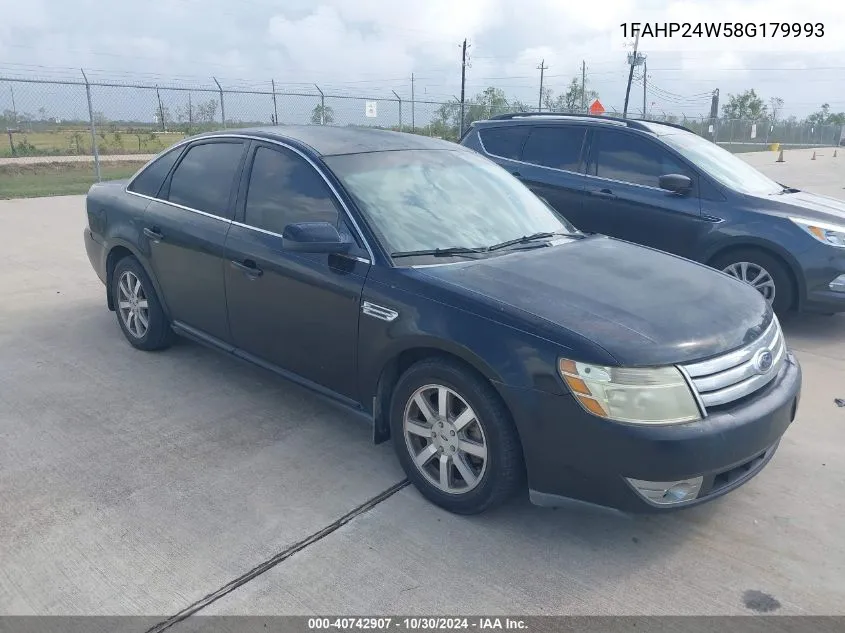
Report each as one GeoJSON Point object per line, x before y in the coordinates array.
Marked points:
{"type": "Point", "coordinates": [372, 46]}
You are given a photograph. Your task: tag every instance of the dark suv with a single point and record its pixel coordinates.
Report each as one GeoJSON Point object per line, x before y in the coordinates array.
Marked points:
{"type": "Point", "coordinates": [661, 185]}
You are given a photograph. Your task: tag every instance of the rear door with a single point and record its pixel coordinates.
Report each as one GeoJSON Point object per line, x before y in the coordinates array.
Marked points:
{"type": "Point", "coordinates": [185, 229]}
{"type": "Point", "coordinates": [623, 198]}
{"type": "Point", "coordinates": [298, 311]}
{"type": "Point", "coordinates": [551, 165]}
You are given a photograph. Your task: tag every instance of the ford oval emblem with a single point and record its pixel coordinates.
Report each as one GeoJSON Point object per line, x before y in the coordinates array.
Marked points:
{"type": "Point", "coordinates": [763, 361]}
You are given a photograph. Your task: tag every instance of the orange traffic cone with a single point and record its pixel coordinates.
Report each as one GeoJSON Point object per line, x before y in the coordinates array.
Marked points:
{"type": "Point", "coordinates": [780, 157]}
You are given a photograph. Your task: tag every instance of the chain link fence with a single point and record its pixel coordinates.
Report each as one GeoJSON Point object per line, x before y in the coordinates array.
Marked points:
{"type": "Point", "coordinates": [102, 119]}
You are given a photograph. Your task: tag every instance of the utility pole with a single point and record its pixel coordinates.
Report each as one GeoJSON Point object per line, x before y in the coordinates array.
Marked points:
{"type": "Point", "coordinates": [714, 112]}
{"type": "Point", "coordinates": [190, 114]}
{"type": "Point", "coordinates": [463, 86]}
{"type": "Point", "coordinates": [645, 83]}
{"type": "Point", "coordinates": [633, 60]}
{"type": "Point", "coordinates": [542, 67]}
{"type": "Point", "coordinates": [583, 86]}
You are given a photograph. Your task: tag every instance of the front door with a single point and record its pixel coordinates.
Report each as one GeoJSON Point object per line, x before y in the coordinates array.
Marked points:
{"type": "Point", "coordinates": [623, 198]}
{"type": "Point", "coordinates": [186, 228]}
{"type": "Point", "coordinates": [295, 310]}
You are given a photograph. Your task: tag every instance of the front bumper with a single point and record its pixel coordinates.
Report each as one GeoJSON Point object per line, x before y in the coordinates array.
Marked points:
{"type": "Point", "coordinates": [824, 279]}
{"type": "Point", "coordinates": [571, 454]}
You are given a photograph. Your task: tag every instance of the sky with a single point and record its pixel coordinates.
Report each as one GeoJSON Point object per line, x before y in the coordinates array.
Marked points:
{"type": "Point", "coordinates": [372, 47]}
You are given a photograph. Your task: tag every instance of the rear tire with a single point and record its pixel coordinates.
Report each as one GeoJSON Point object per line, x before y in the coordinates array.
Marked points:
{"type": "Point", "coordinates": [451, 421]}
{"type": "Point", "coordinates": [138, 309]}
{"type": "Point", "coordinates": [770, 273]}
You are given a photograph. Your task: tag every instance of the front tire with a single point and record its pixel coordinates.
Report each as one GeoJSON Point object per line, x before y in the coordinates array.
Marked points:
{"type": "Point", "coordinates": [454, 437]}
{"type": "Point", "coordinates": [764, 272]}
{"type": "Point", "coordinates": [138, 309]}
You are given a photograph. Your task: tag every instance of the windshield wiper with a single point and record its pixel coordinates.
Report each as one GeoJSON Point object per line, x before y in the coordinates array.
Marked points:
{"type": "Point", "coordinates": [439, 252]}
{"type": "Point", "coordinates": [525, 239]}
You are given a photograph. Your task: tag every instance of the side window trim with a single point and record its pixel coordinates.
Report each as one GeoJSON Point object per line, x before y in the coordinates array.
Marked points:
{"type": "Point", "coordinates": [592, 161]}
{"type": "Point", "coordinates": [521, 146]}
{"type": "Point", "coordinates": [343, 213]}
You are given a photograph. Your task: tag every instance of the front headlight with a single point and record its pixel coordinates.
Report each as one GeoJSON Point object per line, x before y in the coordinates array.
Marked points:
{"type": "Point", "coordinates": [832, 234]}
{"type": "Point", "coordinates": [658, 395]}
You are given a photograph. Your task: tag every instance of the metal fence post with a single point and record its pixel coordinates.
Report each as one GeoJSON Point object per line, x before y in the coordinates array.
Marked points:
{"type": "Point", "coordinates": [322, 105]}
{"type": "Point", "coordinates": [222, 106]}
{"type": "Point", "coordinates": [93, 129]}
{"type": "Point", "coordinates": [275, 109]}
{"type": "Point", "coordinates": [399, 99]}
{"type": "Point", "coordinates": [161, 111]}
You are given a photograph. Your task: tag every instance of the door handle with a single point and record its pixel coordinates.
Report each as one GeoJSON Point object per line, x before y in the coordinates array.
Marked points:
{"type": "Point", "coordinates": [154, 235]}
{"type": "Point", "coordinates": [516, 173]}
{"type": "Point", "coordinates": [602, 193]}
{"type": "Point", "coordinates": [248, 267]}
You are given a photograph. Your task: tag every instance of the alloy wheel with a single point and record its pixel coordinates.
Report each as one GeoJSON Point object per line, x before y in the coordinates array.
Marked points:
{"type": "Point", "coordinates": [754, 275]}
{"type": "Point", "coordinates": [132, 304]}
{"type": "Point", "coordinates": [445, 439]}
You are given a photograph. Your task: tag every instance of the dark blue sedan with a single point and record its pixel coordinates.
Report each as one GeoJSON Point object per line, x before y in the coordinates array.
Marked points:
{"type": "Point", "coordinates": [422, 286]}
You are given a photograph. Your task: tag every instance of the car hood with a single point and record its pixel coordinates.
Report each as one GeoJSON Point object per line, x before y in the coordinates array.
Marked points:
{"type": "Point", "coordinates": [642, 306]}
{"type": "Point", "coordinates": [809, 205]}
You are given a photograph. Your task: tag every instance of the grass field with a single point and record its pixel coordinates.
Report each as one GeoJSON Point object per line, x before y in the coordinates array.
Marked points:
{"type": "Point", "coordinates": [78, 142]}
{"type": "Point", "coordinates": [57, 179]}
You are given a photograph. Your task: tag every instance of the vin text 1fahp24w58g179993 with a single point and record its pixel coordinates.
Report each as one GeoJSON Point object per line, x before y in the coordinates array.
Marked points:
{"type": "Point", "coordinates": [424, 287]}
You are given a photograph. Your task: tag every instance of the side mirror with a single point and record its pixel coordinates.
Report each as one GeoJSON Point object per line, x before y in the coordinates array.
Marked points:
{"type": "Point", "coordinates": [676, 183]}
{"type": "Point", "coordinates": [314, 237]}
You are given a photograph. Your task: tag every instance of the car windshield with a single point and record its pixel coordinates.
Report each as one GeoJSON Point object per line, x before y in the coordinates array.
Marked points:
{"type": "Point", "coordinates": [720, 164]}
{"type": "Point", "coordinates": [419, 200]}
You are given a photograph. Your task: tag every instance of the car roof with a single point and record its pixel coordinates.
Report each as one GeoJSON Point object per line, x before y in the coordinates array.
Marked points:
{"type": "Point", "coordinates": [328, 140]}
{"type": "Point", "coordinates": [659, 128]}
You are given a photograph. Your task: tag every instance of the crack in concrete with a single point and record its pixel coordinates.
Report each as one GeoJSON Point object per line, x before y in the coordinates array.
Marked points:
{"type": "Point", "coordinates": [278, 558]}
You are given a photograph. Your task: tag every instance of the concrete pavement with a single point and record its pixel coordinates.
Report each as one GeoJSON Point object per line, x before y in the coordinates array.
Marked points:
{"type": "Point", "coordinates": [137, 483]}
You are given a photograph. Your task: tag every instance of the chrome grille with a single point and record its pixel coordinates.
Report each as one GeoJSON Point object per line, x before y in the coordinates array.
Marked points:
{"type": "Point", "coordinates": [735, 375]}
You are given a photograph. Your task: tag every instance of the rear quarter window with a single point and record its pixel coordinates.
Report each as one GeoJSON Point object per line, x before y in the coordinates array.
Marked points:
{"type": "Point", "coordinates": [149, 181]}
{"type": "Point", "coordinates": [506, 142]}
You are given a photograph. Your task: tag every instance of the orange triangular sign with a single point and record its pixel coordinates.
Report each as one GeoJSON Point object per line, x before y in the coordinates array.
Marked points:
{"type": "Point", "coordinates": [596, 107]}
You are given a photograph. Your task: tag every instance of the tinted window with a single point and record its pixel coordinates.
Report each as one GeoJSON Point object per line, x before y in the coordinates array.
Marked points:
{"type": "Point", "coordinates": [285, 189]}
{"type": "Point", "coordinates": [150, 180]}
{"type": "Point", "coordinates": [633, 159]}
{"type": "Point", "coordinates": [203, 179]}
{"type": "Point", "coordinates": [558, 147]}
{"type": "Point", "coordinates": [504, 141]}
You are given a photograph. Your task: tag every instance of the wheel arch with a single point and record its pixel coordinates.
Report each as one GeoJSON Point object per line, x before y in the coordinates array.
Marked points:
{"type": "Point", "coordinates": [771, 249]}
{"type": "Point", "coordinates": [399, 360]}
{"type": "Point", "coordinates": [117, 250]}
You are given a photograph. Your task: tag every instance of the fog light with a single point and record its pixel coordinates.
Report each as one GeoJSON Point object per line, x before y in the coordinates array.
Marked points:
{"type": "Point", "coordinates": [838, 284]}
{"type": "Point", "coordinates": [668, 492]}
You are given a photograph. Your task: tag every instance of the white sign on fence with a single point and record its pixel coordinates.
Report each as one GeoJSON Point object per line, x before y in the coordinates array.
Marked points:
{"type": "Point", "coordinates": [371, 109]}
{"type": "Point", "coordinates": [753, 130]}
